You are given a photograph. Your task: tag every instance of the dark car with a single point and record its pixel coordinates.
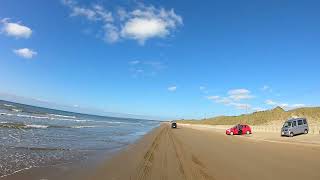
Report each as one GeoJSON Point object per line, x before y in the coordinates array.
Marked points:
{"type": "Point", "coordinates": [173, 125]}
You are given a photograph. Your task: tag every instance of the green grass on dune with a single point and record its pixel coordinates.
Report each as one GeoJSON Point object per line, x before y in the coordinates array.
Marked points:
{"type": "Point", "coordinates": [261, 117]}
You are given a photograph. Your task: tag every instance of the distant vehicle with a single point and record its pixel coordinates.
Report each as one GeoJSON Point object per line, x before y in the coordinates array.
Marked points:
{"type": "Point", "coordinates": [295, 126]}
{"type": "Point", "coordinates": [239, 130]}
{"type": "Point", "coordinates": [173, 125]}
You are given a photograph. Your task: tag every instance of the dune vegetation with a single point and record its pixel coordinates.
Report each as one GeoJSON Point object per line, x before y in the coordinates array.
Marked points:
{"type": "Point", "coordinates": [276, 115]}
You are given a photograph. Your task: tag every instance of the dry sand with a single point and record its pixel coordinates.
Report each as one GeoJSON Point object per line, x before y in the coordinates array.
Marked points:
{"type": "Point", "coordinates": [187, 153]}
{"type": "Point", "coordinates": [199, 153]}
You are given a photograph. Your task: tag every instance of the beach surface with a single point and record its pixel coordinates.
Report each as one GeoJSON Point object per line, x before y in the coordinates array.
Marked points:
{"type": "Point", "coordinates": [199, 153]}
{"type": "Point", "coordinates": [193, 152]}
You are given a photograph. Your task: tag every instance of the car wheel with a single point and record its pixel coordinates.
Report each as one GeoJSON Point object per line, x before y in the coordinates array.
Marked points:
{"type": "Point", "coordinates": [291, 134]}
{"type": "Point", "coordinates": [306, 131]}
{"type": "Point", "coordinates": [231, 133]}
{"type": "Point", "coordinates": [248, 132]}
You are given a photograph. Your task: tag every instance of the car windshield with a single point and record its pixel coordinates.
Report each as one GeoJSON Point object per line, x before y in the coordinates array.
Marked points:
{"type": "Point", "coordinates": [287, 124]}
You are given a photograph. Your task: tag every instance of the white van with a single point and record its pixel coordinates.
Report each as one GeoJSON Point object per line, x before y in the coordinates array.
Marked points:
{"type": "Point", "coordinates": [295, 126]}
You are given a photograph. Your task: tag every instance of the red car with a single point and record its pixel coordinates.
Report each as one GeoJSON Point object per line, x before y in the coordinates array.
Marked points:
{"type": "Point", "coordinates": [239, 130]}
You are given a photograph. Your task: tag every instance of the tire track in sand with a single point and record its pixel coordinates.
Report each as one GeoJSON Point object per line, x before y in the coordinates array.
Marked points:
{"type": "Point", "coordinates": [144, 168]}
{"type": "Point", "coordinates": [191, 167]}
{"type": "Point", "coordinates": [164, 159]}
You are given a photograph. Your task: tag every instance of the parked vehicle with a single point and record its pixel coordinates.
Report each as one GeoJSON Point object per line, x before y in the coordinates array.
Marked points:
{"type": "Point", "coordinates": [295, 126]}
{"type": "Point", "coordinates": [239, 130]}
{"type": "Point", "coordinates": [173, 125]}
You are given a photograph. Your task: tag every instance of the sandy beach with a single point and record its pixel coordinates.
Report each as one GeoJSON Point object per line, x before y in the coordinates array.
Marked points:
{"type": "Point", "coordinates": [188, 153]}
{"type": "Point", "coordinates": [192, 152]}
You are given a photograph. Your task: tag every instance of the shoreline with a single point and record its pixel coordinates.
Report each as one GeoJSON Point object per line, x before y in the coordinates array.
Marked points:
{"type": "Point", "coordinates": [200, 152]}
{"type": "Point", "coordinates": [78, 169]}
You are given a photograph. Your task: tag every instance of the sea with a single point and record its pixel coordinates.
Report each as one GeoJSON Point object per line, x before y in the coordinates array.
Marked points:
{"type": "Point", "coordinates": [39, 137]}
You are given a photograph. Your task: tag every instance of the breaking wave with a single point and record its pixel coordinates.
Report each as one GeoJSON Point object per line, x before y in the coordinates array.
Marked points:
{"type": "Point", "coordinates": [36, 126]}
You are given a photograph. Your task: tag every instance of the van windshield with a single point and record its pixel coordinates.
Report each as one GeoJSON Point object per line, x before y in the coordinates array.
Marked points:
{"type": "Point", "coordinates": [287, 124]}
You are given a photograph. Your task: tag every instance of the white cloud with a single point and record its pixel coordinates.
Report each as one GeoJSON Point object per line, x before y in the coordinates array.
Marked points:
{"type": "Point", "coordinates": [204, 89]}
{"type": "Point", "coordinates": [88, 13]}
{"type": "Point", "coordinates": [103, 14]}
{"type": "Point", "coordinates": [94, 13]}
{"type": "Point", "coordinates": [134, 62]}
{"type": "Point", "coordinates": [122, 13]}
{"type": "Point", "coordinates": [146, 68]}
{"type": "Point", "coordinates": [239, 94]}
{"type": "Point", "coordinates": [213, 97]}
{"type": "Point", "coordinates": [172, 88]}
{"type": "Point", "coordinates": [140, 24]}
{"type": "Point", "coordinates": [270, 102]}
{"type": "Point", "coordinates": [233, 97]}
{"type": "Point", "coordinates": [298, 105]}
{"type": "Point", "coordinates": [142, 29]}
{"type": "Point", "coordinates": [258, 109]}
{"type": "Point", "coordinates": [149, 22]}
{"type": "Point", "coordinates": [224, 100]}
{"type": "Point", "coordinates": [265, 87]}
{"type": "Point", "coordinates": [283, 105]}
{"type": "Point", "coordinates": [221, 100]}
{"type": "Point", "coordinates": [241, 106]}
{"type": "Point", "coordinates": [111, 34]}
{"type": "Point", "coordinates": [15, 29]}
{"type": "Point", "coordinates": [25, 53]}
{"type": "Point", "coordinates": [154, 64]}
{"type": "Point", "coordinates": [238, 91]}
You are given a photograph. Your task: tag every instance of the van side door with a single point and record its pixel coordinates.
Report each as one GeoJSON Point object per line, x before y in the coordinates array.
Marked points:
{"type": "Point", "coordinates": [300, 126]}
{"type": "Point", "coordinates": [294, 127]}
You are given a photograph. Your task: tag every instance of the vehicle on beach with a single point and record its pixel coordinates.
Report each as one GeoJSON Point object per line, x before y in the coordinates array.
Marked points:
{"type": "Point", "coordinates": [295, 126]}
{"type": "Point", "coordinates": [173, 125]}
{"type": "Point", "coordinates": [239, 130]}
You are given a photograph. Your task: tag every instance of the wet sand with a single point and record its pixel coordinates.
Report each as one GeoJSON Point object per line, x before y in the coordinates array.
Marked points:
{"type": "Point", "coordinates": [191, 153]}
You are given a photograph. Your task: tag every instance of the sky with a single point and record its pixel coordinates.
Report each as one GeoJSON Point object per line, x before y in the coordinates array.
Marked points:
{"type": "Point", "coordinates": [161, 59]}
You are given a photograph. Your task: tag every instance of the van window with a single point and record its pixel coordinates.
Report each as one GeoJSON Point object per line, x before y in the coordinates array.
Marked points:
{"type": "Point", "coordinates": [287, 124]}
{"type": "Point", "coordinates": [304, 121]}
{"type": "Point", "coordinates": [294, 123]}
{"type": "Point", "coordinates": [300, 122]}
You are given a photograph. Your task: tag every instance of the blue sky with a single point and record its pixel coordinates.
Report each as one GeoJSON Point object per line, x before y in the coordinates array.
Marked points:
{"type": "Point", "coordinates": [163, 59]}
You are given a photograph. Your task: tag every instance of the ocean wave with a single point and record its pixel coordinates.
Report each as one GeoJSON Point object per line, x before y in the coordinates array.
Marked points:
{"type": "Point", "coordinates": [78, 127]}
{"type": "Point", "coordinates": [139, 133]}
{"type": "Point", "coordinates": [41, 148]}
{"type": "Point", "coordinates": [8, 105]}
{"type": "Point", "coordinates": [31, 116]}
{"type": "Point", "coordinates": [36, 126]}
{"type": "Point", "coordinates": [122, 122]}
{"type": "Point", "coordinates": [51, 117]}
{"type": "Point", "coordinates": [75, 120]}
{"type": "Point", "coordinates": [6, 114]}
{"type": "Point", "coordinates": [17, 171]}
{"type": "Point", "coordinates": [63, 116]}
{"type": "Point", "coordinates": [11, 125]}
